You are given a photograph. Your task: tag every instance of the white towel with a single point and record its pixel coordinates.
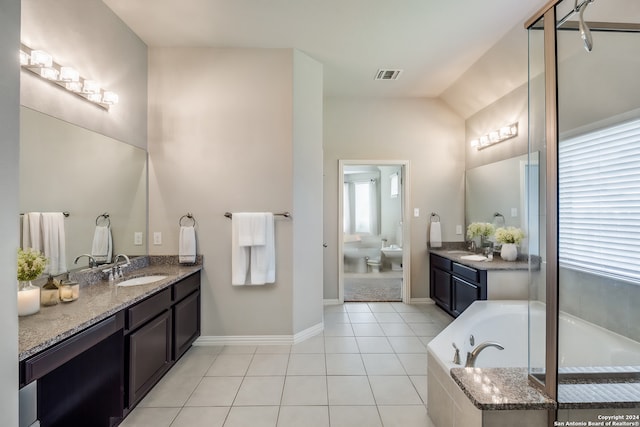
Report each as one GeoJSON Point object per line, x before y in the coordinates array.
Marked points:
{"type": "Point", "coordinates": [257, 229]}
{"type": "Point", "coordinates": [435, 235]}
{"type": "Point", "coordinates": [53, 242]}
{"type": "Point", "coordinates": [31, 231]}
{"type": "Point", "coordinates": [102, 247]}
{"type": "Point", "coordinates": [187, 245]}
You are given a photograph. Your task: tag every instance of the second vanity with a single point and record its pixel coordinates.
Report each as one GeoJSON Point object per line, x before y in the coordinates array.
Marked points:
{"type": "Point", "coordinates": [455, 283]}
{"type": "Point", "coordinates": [94, 359]}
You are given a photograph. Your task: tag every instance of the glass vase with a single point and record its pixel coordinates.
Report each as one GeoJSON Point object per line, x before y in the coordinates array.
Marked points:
{"type": "Point", "coordinates": [28, 298]}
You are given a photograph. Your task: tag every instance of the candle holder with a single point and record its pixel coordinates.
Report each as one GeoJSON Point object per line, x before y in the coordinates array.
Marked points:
{"type": "Point", "coordinates": [69, 290]}
{"type": "Point", "coordinates": [28, 298]}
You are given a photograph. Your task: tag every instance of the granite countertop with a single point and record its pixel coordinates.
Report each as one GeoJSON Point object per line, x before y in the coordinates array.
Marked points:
{"type": "Point", "coordinates": [97, 301]}
{"type": "Point", "coordinates": [496, 264]}
{"type": "Point", "coordinates": [500, 389]}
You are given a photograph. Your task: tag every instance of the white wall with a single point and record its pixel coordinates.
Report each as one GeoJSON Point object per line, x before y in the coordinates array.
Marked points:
{"type": "Point", "coordinates": [87, 35]}
{"type": "Point", "coordinates": [221, 138]}
{"type": "Point", "coordinates": [424, 131]}
{"type": "Point", "coordinates": [307, 192]}
{"type": "Point", "coordinates": [9, 218]}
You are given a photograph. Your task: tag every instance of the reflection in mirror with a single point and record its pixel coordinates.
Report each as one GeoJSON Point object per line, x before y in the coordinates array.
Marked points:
{"type": "Point", "coordinates": [501, 188]}
{"type": "Point", "coordinates": [64, 167]}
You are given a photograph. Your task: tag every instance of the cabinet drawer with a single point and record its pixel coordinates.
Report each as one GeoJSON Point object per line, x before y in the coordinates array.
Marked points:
{"type": "Point", "coordinates": [466, 272]}
{"type": "Point", "coordinates": [441, 263]}
{"type": "Point", "coordinates": [148, 309]}
{"type": "Point", "coordinates": [186, 286]}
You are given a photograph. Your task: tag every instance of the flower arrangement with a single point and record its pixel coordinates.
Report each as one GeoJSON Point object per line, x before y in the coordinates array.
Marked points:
{"type": "Point", "coordinates": [483, 229]}
{"type": "Point", "coordinates": [31, 264]}
{"type": "Point", "coordinates": [509, 235]}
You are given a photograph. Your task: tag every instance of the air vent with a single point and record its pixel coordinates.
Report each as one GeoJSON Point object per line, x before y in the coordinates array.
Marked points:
{"type": "Point", "coordinates": [388, 74]}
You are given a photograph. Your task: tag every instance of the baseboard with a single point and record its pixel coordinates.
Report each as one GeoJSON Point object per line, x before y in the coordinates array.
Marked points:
{"type": "Point", "coordinates": [332, 301]}
{"type": "Point", "coordinates": [422, 301]}
{"type": "Point", "coordinates": [260, 339]}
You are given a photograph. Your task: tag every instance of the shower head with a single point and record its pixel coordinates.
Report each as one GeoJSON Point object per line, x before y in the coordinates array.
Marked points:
{"type": "Point", "coordinates": [585, 32]}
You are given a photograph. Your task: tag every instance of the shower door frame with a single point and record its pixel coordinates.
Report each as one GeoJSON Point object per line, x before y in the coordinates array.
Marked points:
{"type": "Point", "coordinates": [406, 225]}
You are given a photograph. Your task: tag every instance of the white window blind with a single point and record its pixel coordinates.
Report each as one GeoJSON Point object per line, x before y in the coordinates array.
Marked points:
{"type": "Point", "coordinates": [599, 201]}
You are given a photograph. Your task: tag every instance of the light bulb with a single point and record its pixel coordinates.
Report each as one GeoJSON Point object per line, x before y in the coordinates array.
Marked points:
{"type": "Point", "coordinates": [69, 74]}
{"type": "Point", "coordinates": [41, 58]}
{"type": "Point", "coordinates": [110, 98]}
{"type": "Point", "coordinates": [91, 86]}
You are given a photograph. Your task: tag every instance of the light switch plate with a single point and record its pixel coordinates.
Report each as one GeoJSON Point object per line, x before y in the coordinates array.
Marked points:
{"type": "Point", "coordinates": [458, 229]}
{"type": "Point", "coordinates": [157, 237]}
{"type": "Point", "coordinates": [416, 212]}
{"type": "Point", "coordinates": [137, 238]}
{"type": "Point", "coordinates": [514, 212]}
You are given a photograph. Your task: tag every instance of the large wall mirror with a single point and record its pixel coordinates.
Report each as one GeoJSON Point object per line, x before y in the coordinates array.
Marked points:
{"type": "Point", "coordinates": [64, 167]}
{"type": "Point", "coordinates": [501, 188]}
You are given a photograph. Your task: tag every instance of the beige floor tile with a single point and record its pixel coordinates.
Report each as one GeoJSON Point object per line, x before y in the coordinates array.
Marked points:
{"type": "Point", "coordinates": [306, 364]}
{"type": "Point", "coordinates": [311, 345]}
{"type": "Point", "coordinates": [381, 307]}
{"type": "Point", "coordinates": [416, 317]}
{"type": "Point", "coordinates": [426, 329]}
{"type": "Point", "coordinates": [362, 318]}
{"type": "Point", "coordinates": [338, 330]}
{"type": "Point", "coordinates": [171, 391]}
{"type": "Point", "coordinates": [260, 391]}
{"type": "Point", "coordinates": [337, 317]}
{"type": "Point", "coordinates": [252, 416]}
{"type": "Point", "coordinates": [420, 383]}
{"type": "Point", "coordinates": [414, 364]}
{"type": "Point", "coordinates": [305, 390]}
{"type": "Point", "coordinates": [382, 364]}
{"type": "Point", "coordinates": [394, 390]}
{"type": "Point", "coordinates": [230, 365]}
{"type": "Point", "coordinates": [374, 345]}
{"type": "Point", "coordinates": [406, 308]}
{"type": "Point", "coordinates": [388, 318]}
{"type": "Point", "coordinates": [407, 345]}
{"type": "Point", "coordinates": [367, 330]}
{"type": "Point", "coordinates": [156, 417]}
{"type": "Point", "coordinates": [204, 416]}
{"type": "Point", "coordinates": [238, 349]}
{"type": "Point", "coordinates": [357, 307]}
{"type": "Point", "coordinates": [404, 416]}
{"type": "Point", "coordinates": [397, 330]}
{"type": "Point", "coordinates": [215, 391]}
{"type": "Point", "coordinates": [349, 390]}
{"type": "Point", "coordinates": [340, 345]}
{"type": "Point", "coordinates": [345, 364]}
{"type": "Point", "coordinates": [273, 349]}
{"type": "Point", "coordinates": [354, 416]}
{"type": "Point", "coordinates": [303, 416]}
{"type": "Point", "coordinates": [268, 364]}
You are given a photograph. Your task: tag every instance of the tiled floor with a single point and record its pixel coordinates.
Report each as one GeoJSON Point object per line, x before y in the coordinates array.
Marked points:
{"type": "Point", "coordinates": [368, 369]}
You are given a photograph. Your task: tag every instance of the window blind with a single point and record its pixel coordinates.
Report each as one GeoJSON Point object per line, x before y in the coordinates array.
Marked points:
{"type": "Point", "coordinates": [599, 201]}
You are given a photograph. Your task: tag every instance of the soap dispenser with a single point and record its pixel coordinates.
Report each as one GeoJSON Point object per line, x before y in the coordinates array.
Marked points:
{"type": "Point", "coordinates": [49, 295]}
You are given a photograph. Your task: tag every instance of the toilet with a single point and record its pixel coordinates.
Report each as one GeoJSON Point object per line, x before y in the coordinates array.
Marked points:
{"type": "Point", "coordinates": [374, 265]}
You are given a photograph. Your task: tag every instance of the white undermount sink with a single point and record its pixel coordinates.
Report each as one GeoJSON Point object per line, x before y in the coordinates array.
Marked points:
{"type": "Point", "coordinates": [143, 280]}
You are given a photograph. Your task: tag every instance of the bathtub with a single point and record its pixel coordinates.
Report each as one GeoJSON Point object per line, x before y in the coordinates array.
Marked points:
{"type": "Point", "coordinates": [583, 345]}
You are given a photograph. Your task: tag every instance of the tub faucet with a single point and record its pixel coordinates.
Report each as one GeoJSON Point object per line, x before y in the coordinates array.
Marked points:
{"type": "Point", "coordinates": [473, 354]}
{"type": "Point", "coordinates": [456, 356]}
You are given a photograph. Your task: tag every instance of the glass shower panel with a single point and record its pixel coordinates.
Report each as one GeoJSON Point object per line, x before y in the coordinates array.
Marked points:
{"type": "Point", "coordinates": [536, 197]}
{"type": "Point", "coordinates": [599, 201]}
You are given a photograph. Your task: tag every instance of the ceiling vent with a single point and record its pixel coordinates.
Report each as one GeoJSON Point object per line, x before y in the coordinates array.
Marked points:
{"type": "Point", "coordinates": [388, 74]}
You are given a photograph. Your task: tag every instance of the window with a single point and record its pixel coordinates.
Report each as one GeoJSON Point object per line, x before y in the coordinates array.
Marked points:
{"type": "Point", "coordinates": [362, 207]}
{"type": "Point", "coordinates": [599, 201]}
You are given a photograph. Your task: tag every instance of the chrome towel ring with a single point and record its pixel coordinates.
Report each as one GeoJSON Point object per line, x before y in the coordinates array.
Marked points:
{"type": "Point", "coordinates": [188, 216]}
{"type": "Point", "coordinates": [105, 217]}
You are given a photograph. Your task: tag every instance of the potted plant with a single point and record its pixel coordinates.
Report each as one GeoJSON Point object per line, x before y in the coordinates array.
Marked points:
{"type": "Point", "coordinates": [31, 264]}
{"type": "Point", "coordinates": [510, 238]}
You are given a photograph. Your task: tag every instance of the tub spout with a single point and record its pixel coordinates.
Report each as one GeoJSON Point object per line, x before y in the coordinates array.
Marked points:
{"type": "Point", "coordinates": [473, 354]}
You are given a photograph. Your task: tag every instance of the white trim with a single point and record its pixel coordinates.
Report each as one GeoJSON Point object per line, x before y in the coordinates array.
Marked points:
{"type": "Point", "coordinates": [332, 302]}
{"type": "Point", "coordinates": [406, 223]}
{"type": "Point", "coordinates": [260, 339]}
{"type": "Point", "coordinates": [422, 301]}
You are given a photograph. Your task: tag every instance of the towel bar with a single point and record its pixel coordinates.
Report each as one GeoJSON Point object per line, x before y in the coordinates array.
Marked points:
{"type": "Point", "coordinates": [284, 214]}
{"type": "Point", "coordinates": [65, 214]}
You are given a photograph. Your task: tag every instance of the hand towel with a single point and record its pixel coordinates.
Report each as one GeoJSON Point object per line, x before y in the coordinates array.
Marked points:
{"type": "Point", "coordinates": [435, 235]}
{"type": "Point", "coordinates": [53, 242]}
{"type": "Point", "coordinates": [187, 245]}
{"type": "Point", "coordinates": [252, 244]}
{"type": "Point", "coordinates": [31, 231]}
{"type": "Point", "coordinates": [102, 247]}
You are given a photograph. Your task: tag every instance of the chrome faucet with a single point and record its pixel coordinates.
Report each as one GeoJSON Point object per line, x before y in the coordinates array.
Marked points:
{"type": "Point", "coordinates": [92, 260]}
{"type": "Point", "coordinates": [473, 354]}
{"type": "Point", "coordinates": [456, 356]}
{"type": "Point", "coordinates": [116, 271]}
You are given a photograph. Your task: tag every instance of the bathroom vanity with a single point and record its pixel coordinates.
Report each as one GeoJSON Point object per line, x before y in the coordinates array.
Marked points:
{"type": "Point", "coordinates": [455, 283]}
{"type": "Point", "coordinates": [96, 358]}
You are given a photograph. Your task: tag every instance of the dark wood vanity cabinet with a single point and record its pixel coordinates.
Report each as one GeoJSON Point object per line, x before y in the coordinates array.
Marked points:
{"type": "Point", "coordinates": [186, 314]}
{"type": "Point", "coordinates": [454, 286]}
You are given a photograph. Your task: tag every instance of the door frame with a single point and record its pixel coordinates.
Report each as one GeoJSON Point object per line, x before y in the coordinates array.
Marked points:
{"type": "Point", "coordinates": [406, 222]}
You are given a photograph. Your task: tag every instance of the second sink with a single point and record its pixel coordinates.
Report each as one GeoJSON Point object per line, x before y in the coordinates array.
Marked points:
{"type": "Point", "coordinates": [144, 280]}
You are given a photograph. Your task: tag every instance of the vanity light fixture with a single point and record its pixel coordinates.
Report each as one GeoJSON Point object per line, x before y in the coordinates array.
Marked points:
{"type": "Point", "coordinates": [496, 136]}
{"type": "Point", "coordinates": [42, 64]}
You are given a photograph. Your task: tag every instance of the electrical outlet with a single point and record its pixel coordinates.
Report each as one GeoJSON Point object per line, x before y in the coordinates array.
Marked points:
{"type": "Point", "coordinates": [157, 237]}
{"type": "Point", "coordinates": [514, 212]}
{"type": "Point", "coordinates": [416, 212]}
{"type": "Point", "coordinates": [458, 229]}
{"type": "Point", "coordinates": [137, 238]}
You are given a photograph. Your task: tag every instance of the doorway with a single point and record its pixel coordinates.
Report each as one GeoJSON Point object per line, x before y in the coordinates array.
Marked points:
{"type": "Point", "coordinates": [374, 249]}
